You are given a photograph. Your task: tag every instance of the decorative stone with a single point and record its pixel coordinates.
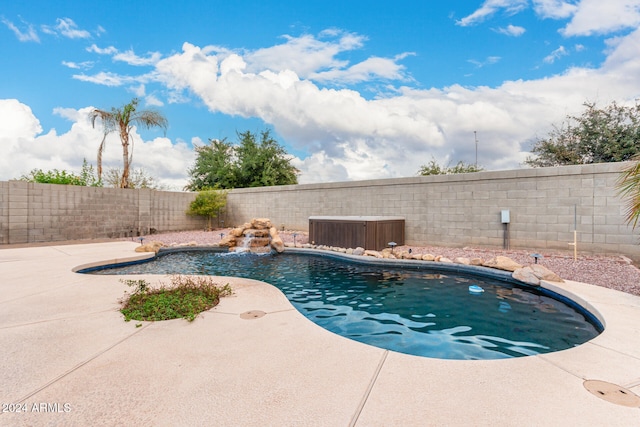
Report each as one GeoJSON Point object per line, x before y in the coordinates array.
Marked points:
{"type": "Point", "coordinates": [502, 263]}
{"type": "Point", "coordinates": [373, 253]}
{"type": "Point", "coordinates": [445, 259]}
{"type": "Point", "coordinates": [428, 257]}
{"type": "Point", "coordinates": [349, 251]}
{"type": "Point", "coordinates": [526, 275]}
{"type": "Point", "coordinates": [150, 247]}
{"type": "Point", "coordinates": [277, 244]}
{"type": "Point", "coordinates": [236, 232]}
{"type": "Point", "coordinates": [228, 241]}
{"type": "Point", "coordinates": [543, 273]}
{"type": "Point", "coordinates": [535, 273]}
{"type": "Point", "coordinates": [462, 260]}
{"type": "Point", "coordinates": [261, 223]}
{"type": "Point", "coordinates": [475, 261]}
{"type": "Point", "coordinates": [416, 257]}
{"type": "Point", "coordinates": [255, 232]}
{"type": "Point", "coordinates": [358, 251]}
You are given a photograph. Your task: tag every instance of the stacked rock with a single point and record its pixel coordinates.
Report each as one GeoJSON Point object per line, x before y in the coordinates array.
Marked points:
{"type": "Point", "coordinates": [256, 236]}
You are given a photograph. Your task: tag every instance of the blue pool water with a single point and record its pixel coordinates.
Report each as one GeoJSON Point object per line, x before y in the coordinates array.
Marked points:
{"type": "Point", "coordinates": [424, 313]}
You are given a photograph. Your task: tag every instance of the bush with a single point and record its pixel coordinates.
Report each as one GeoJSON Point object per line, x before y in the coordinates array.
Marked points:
{"type": "Point", "coordinates": [186, 298]}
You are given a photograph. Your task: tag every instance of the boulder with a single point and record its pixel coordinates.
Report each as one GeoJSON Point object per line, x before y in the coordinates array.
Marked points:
{"type": "Point", "coordinates": [228, 241]}
{"type": "Point", "coordinates": [277, 244]}
{"type": "Point", "coordinates": [526, 275]}
{"type": "Point", "coordinates": [150, 247]}
{"type": "Point", "coordinates": [534, 273]}
{"type": "Point", "coordinates": [358, 251]}
{"type": "Point", "coordinates": [273, 232]}
{"type": "Point", "coordinates": [475, 261]}
{"type": "Point", "coordinates": [502, 263]}
{"type": "Point", "coordinates": [373, 253]}
{"type": "Point", "coordinates": [428, 257]}
{"type": "Point", "coordinates": [445, 259]}
{"type": "Point", "coordinates": [261, 223]}
{"type": "Point", "coordinates": [543, 273]}
{"type": "Point", "coordinates": [462, 260]}
{"type": "Point", "coordinates": [236, 232]}
{"type": "Point", "coordinates": [255, 232]}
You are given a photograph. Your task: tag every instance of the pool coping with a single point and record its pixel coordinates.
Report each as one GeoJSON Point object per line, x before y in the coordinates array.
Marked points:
{"type": "Point", "coordinates": [279, 369]}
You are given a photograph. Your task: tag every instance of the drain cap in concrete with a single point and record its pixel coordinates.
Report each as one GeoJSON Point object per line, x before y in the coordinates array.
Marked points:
{"type": "Point", "coordinates": [252, 314]}
{"type": "Point", "coordinates": [612, 393]}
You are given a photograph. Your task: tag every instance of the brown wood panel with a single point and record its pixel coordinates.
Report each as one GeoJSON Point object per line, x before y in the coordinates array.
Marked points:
{"type": "Point", "coordinates": [344, 233]}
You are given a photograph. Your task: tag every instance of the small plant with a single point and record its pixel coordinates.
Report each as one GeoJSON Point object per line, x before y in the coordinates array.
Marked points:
{"type": "Point", "coordinates": [187, 297]}
{"type": "Point", "coordinates": [208, 203]}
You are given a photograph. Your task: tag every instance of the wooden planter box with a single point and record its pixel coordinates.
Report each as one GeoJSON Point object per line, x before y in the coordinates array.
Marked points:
{"type": "Point", "coordinates": [369, 232]}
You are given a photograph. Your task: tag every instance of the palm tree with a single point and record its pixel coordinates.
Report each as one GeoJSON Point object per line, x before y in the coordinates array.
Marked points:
{"type": "Point", "coordinates": [122, 120]}
{"type": "Point", "coordinates": [629, 187]}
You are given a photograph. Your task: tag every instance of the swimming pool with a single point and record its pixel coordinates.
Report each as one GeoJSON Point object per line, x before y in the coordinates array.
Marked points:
{"type": "Point", "coordinates": [417, 311]}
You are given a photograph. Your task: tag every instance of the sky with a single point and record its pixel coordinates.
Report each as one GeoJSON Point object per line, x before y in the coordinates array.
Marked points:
{"type": "Point", "coordinates": [353, 90]}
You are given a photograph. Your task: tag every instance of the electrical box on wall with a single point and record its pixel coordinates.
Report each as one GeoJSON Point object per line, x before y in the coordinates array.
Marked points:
{"type": "Point", "coordinates": [505, 217]}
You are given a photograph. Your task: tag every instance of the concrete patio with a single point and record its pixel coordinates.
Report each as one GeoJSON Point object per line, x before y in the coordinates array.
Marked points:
{"type": "Point", "coordinates": [68, 358]}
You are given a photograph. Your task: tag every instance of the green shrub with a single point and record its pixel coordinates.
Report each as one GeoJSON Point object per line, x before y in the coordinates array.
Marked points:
{"type": "Point", "coordinates": [187, 297]}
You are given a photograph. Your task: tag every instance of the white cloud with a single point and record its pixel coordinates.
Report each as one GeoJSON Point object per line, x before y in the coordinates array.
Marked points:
{"type": "Point", "coordinates": [603, 17]}
{"type": "Point", "coordinates": [153, 101]}
{"type": "Point", "coordinates": [511, 30]}
{"type": "Point", "coordinates": [112, 79]}
{"type": "Point", "coordinates": [27, 35]}
{"type": "Point", "coordinates": [555, 9]}
{"type": "Point", "coordinates": [556, 54]}
{"type": "Point", "coordinates": [351, 137]}
{"type": "Point", "coordinates": [586, 17]}
{"type": "Point", "coordinates": [17, 120]}
{"type": "Point", "coordinates": [69, 29]}
{"type": "Point", "coordinates": [370, 69]}
{"type": "Point", "coordinates": [490, 7]}
{"type": "Point", "coordinates": [78, 65]}
{"type": "Point", "coordinates": [102, 51]}
{"type": "Point", "coordinates": [131, 58]}
{"type": "Point", "coordinates": [490, 60]}
{"type": "Point", "coordinates": [304, 55]}
{"type": "Point", "coordinates": [26, 148]}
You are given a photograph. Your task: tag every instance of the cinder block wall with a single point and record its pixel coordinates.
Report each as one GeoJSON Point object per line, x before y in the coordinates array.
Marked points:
{"type": "Point", "coordinates": [32, 212]}
{"type": "Point", "coordinates": [461, 210]}
{"type": "Point", "coordinates": [454, 210]}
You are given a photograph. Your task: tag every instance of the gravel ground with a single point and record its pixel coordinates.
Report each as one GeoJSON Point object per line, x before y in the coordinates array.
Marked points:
{"type": "Point", "coordinates": [614, 272]}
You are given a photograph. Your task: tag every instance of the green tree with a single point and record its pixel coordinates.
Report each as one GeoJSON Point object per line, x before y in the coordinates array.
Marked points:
{"type": "Point", "coordinates": [610, 134]}
{"type": "Point", "coordinates": [252, 162]}
{"type": "Point", "coordinates": [122, 120]}
{"type": "Point", "coordinates": [86, 177]}
{"type": "Point", "coordinates": [208, 203]}
{"type": "Point", "coordinates": [434, 168]}
{"type": "Point", "coordinates": [214, 166]}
